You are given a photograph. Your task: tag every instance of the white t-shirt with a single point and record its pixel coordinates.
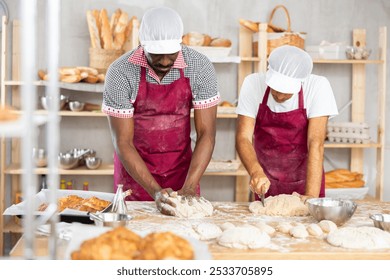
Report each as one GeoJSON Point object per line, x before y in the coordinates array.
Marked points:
{"type": "Point", "coordinates": [317, 94]}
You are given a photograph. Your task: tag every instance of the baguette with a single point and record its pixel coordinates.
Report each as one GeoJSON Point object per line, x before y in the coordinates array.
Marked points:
{"type": "Point", "coordinates": [95, 14]}
{"type": "Point", "coordinates": [350, 184]}
{"type": "Point", "coordinates": [114, 19]}
{"type": "Point", "coordinates": [252, 26]}
{"type": "Point", "coordinates": [120, 31]}
{"type": "Point", "coordinates": [106, 34]}
{"type": "Point", "coordinates": [93, 31]}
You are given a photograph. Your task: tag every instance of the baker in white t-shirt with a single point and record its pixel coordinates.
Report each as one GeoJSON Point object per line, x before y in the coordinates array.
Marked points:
{"type": "Point", "coordinates": [282, 118]}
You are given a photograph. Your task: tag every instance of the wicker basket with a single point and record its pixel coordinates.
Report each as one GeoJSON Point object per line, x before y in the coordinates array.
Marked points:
{"type": "Point", "coordinates": [281, 36]}
{"type": "Point", "coordinates": [101, 58]}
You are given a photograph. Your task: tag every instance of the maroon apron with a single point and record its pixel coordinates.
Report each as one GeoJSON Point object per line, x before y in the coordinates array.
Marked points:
{"type": "Point", "coordinates": [280, 142]}
{"type": "Point", "coordinates": [161, 135]}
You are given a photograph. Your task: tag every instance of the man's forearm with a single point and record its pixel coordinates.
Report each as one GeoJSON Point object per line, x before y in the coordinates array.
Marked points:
{"type": "Point", "coordinates": [314, 170]}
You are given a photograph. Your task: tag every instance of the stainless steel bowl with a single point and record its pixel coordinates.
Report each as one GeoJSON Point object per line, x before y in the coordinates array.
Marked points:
{"type": "Point", "coordinates": [45, 101]}
{"type": "Point", "coordinates": [67, 160]}
{"type": "Point", "coordinates": [338, 211]}
{"type": "Point", "coordinates": [381, 221]}
{"type": "Point", "coordinates": [110, 219]}
{"type": "Point", "coordinates": [76, 106]}
{"type": "Point", "coordinates": [93, 162]}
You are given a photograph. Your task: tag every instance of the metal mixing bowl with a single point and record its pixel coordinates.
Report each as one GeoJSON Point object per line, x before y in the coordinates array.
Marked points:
{"type": "Point", "coordinates": [93, 162]}
{"type": "Point", "coordinates": [45, 101]}
{"type": "Point", "coordinates": [67, 160]}
{"type": "Point", "coordinates": [110, 219]}
{"type": "Point", "coordinates": [381, 221]}
{"type": "Point", "coordinates": [338, 211]}
{"type": "Point", "coordinates": [76, 106]}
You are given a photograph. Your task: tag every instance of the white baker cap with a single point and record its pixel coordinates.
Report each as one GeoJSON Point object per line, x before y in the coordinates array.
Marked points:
{"type": "Point", "coordinates": [288, 66]}
{"type": "Point", "coordinates": [161, 31]}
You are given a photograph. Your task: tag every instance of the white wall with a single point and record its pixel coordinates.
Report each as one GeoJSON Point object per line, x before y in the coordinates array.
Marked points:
{"type": "Point", "coordinates": [330, 20]}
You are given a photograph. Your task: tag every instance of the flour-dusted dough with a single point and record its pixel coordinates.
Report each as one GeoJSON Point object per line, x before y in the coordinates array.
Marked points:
{"type": "Point", "coordinates": [314, 230]}
{"type": "Point", "coordinates": [327, 226]}
{"type": "Point", "coordinates": [195, 208]}
{"type": "Point", "coordinates": [227, 225]}
{"type": "Point", "coordinates": [299, 232]}
{"type": "Point", "coordinates": [284, 227]}
{"type": "Point", "coordinates": [208, 231]}
{"type": "Point", "coordinates": [244, 238]}
{"type": "Point", "coordinates": [359, 238]}
{"type": "Point", "coordinates": [280, 205]}
{"type": "Point", "coordinates": [265, 228]}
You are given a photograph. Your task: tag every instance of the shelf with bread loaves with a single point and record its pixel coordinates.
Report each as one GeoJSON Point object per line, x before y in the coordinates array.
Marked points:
{"type": "Point", "coordinates": [250, 63]}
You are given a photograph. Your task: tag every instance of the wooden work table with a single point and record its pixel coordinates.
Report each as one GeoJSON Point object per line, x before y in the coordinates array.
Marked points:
{"type": "Point", "coordinates": [283, 246]}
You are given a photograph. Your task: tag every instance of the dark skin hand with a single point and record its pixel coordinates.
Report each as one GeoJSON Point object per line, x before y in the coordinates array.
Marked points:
{"type": "Point", "coordinates": [122, 131]}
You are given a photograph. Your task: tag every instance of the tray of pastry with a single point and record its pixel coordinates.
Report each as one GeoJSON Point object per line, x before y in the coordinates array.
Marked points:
{"type": "Point", "coordinates": [73, 205]}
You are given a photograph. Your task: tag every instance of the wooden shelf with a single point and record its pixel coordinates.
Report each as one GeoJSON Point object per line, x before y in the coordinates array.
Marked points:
{"type": "Point", "coordinates": [104, 169]}
{"type": "Point", "coordinates": [72, 86]}
{"type": "Point", "coordinates": [347, 145]}
{"type": "Point", "coordinates": [347, 61]}
{"type": "Point", "coordinates": [12, 227]}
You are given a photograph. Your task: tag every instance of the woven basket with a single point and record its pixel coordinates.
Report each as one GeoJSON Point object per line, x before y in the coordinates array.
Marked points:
{"type": "Point", "coordinates": [101, 58]}
{"type": "Point", "coordinates": [281, 36]}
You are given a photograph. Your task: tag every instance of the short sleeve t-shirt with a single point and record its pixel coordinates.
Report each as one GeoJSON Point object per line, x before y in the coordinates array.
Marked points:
{"type": "Point", "coordinates": [123, 77]}
{"type": "Point", "coordinates": [317, 94]}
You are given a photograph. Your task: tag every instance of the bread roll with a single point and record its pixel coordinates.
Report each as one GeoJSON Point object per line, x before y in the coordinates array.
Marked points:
{"type": "Point", "coordinates": [206, 40]}
{"type": "Point", "coordinates": [194, 39]}
{"type": "Point", "coordinates": [226, 104]}
{"type": "Point", "coordinates": [41, 74]}
{"type": "Point", "coordinates": [252, 26]}
{"type": "Point", "coordinates": [69, 71]}
{"type": "Point", "coordinates": [101, 78]}
{"type": "Point", "coordinates": [343, 178]}
{"type": "Point", "coordinates": [220, 42]}
{"type": "Point", "coordinates": [70, 78]}
{"type": "Point", "coordinates": [91, 79]}
{"type": "Point", "coordinates": [89, 70]}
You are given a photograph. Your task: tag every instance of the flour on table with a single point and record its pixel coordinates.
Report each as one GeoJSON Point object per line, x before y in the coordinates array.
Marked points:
{"type": "Point", "coordinates": [244, 238]}
{"type": "Point", "coordinates": [185, 208]}
{"type": "Point", "coordinates": [327, 226]}
{"type": "Point", "coordinates": [280, 205]}
{"type": "Point", "coordinates": [359, 238]}
{"type": "Point", "coordinates": [314, 230]}
{"type": "Point", "coordinates": [208, 231]}
{"type": "Point", "coordinates": [299, 232]}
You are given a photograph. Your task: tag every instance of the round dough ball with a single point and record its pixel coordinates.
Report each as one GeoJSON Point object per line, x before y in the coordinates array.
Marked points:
{"type": "Point", "coordinates": [359, 238]}
{"type": "Point", "coordinates": [299, 232]}
{"type": "Point", "coordinates": [327, 226]}
{"type": "Point", "coordinates": [208, 231]}
{"type": "Point", "coordinates": [314, 230]}
{"type": "Point", "coordinates": [284, 227]}
{"type": "Point", "coordinates": [243, 238]}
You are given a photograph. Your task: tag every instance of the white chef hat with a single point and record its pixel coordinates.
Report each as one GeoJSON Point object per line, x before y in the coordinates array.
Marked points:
{"type": "Point", "coordinates": [161, 31]}
{"type": "Point", "coordinates": [288, 66]}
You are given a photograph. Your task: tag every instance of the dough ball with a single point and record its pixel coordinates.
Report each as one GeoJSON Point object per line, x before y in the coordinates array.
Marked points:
{"type": "Point", "coordinates": [189, 208]}
{"type": "Point", "coordinates": [299, 232]}
{"type": "Point", "coordinates": [208, 231]}
{"type": "Point", "coordinates": [227, 225]}
{"type": "Point", "coordinates": [314, 230]}
{"type": "Point", "coordinates": [265, 228]}
{"type": "Point", "coordinates": [284, 227]}
{"type": "Point", "coordinates": [280, 205]}
{"type": "Point", "coordinates": [359, 238]}
{"type": "Point", "coordinates": [244, 238]}
{"type": "Point", "coordinates": [327, 226]}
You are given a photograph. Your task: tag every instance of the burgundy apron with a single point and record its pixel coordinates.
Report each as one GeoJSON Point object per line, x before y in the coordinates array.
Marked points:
{"type": "Point", "coordinates": [161, 135]}
{"type": "Point", "coordinates": [280, 142]}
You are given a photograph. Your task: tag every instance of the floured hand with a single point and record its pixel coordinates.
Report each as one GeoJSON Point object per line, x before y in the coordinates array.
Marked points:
{"type": "Point", "coordinates": [164, 203]}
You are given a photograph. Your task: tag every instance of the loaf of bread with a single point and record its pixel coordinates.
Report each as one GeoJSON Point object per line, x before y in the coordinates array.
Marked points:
{"type": "Point", "coordinates": [106, 34]}
{"type": "Point", "coordinates": [70, 78]}
{"type": "Point", "coordinates": [193, 39]}
{"type": "Point", "coordinates": [252, 26]}
{"type": "Point", "coordinates": [343, 178]}
{"type": "Point", "coordinates": [220, 42]}
{"type": "Point", "coordinates": [93, 30]}
{"type": "Point", "coordinates": [225, 104]}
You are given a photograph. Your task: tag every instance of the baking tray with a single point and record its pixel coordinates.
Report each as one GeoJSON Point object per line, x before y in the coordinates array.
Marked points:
{"type": "Point", "coordinates": [67, 215]}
